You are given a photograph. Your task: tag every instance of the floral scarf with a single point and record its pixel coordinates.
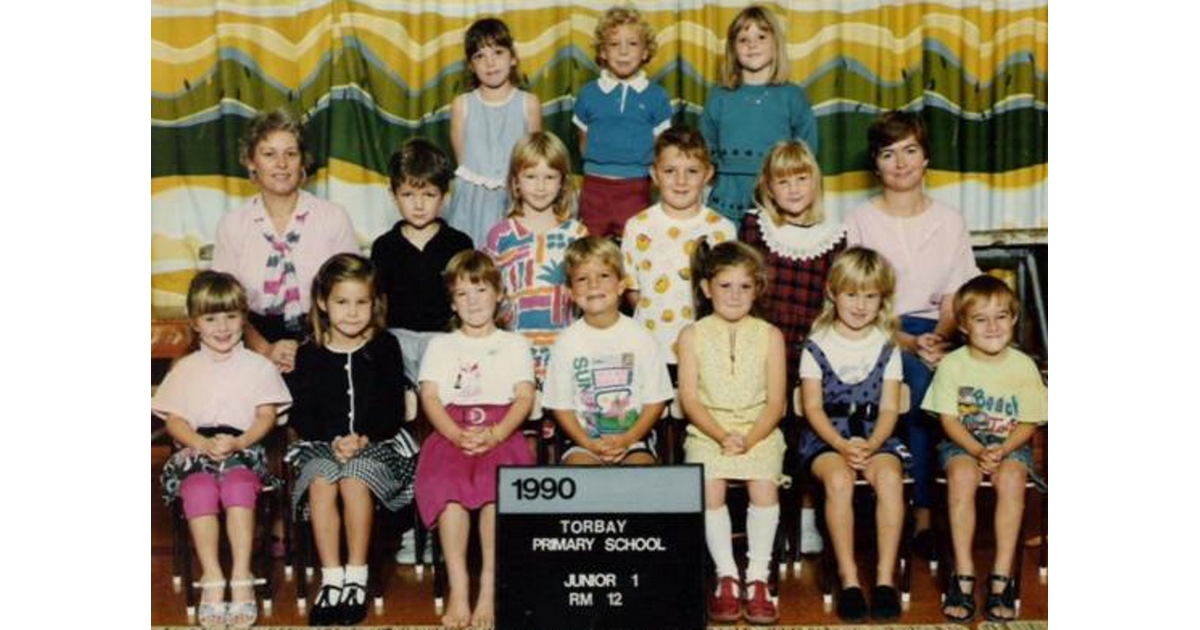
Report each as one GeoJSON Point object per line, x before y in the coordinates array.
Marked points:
{"type": "Point", "coordinates": [280, 280]}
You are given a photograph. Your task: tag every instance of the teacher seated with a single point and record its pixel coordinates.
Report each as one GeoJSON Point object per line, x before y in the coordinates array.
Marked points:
{"type": "Point", "coordinates": [277, 241]}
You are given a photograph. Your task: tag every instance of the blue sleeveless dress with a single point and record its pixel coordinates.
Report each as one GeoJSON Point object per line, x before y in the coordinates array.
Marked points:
{"type": "Point", "coordinates": [838, 395]}
{"type": "Point", "coordinates": [480, 197]}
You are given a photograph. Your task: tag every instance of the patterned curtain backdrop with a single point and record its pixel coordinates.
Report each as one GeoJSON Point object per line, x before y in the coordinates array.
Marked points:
{"type": "Point", "coordinates": [369, 74]}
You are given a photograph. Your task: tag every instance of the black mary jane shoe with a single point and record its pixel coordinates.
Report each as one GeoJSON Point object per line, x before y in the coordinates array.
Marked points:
{"type": "Point", "coordinates": [1005, 599]}
{"type": "Point", "coordinates": [327, 609]}
{"type": "Point", "coordinates": [885, 603]}
{"type": "Point", "coordinates": [354, 604]}
{"type": "Point", "coordinates": [852, 605]}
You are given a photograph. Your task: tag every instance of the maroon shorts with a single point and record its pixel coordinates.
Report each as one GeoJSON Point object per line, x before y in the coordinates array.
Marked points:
{"type": "Point", "coordinates": [605, 204]}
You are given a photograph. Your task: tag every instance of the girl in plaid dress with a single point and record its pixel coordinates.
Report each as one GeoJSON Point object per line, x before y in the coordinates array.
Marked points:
{"type": "Point", "coordinates": [789, 227]}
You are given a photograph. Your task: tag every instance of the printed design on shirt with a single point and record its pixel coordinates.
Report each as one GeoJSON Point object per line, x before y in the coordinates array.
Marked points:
{"type": "Point", "coordinates": [643, 242]}
{"type": "Point", "coordinates": [986, 416]}
{"type": "Point", "coordinates": [605, 385]}
{"type": "Point", "coordinates": [662, 284]}
{"type": "Point", "coordinates": [468, 382]}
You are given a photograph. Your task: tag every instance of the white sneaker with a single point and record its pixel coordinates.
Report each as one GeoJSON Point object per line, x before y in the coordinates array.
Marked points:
{"type": "Point", "coordinates": [810, 536]}
{"type": "Point", "coordinates": [407, 554]}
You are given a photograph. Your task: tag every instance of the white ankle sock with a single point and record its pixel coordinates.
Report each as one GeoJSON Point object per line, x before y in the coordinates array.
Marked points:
{"type": "Point", "coordinates": [356, 575]}
{"type": "Point", "coordinates": [761, 523]}
{"type": "Point", "coordinates": [718, 533]}
{"type": "Point", "coordinates": [332, 576]}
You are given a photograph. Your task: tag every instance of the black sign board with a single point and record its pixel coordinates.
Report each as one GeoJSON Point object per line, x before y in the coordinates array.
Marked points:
{"type": "Point", "coordinates": [583, 547]}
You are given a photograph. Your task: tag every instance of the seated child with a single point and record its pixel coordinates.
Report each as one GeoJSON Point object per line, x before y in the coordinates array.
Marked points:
{"type": "Point", "coordinates": [352, 448]}
{"type": "Point", "coordinates": [607, 381]}
{"type": "Point", "coordinates": [477, 389]}
{"type": "Point", "coordinates": [218, 403]}
{"type": "Point", "coordinates": [990, 398]}
{"type": "Point", "coordinates": [850, 376]}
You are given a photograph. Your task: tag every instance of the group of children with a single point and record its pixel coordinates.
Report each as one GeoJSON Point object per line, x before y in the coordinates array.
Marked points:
{"type": "Point", "coordinates": [730, 307]}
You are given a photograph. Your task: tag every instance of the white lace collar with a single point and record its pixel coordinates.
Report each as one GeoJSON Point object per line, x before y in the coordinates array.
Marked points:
{"type": "Point", "coordinates": [795, 242]}
{"type": "Point", "coordinates": [607, 82]}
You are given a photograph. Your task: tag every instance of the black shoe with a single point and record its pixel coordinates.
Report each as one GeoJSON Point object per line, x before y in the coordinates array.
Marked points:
{"type": "Point", "coordinates": [353, 605]}
{"type": "Point", "coordinates": [885, 603]}
{"type": "Point", "coordinates": [852, 606]}
{"type": "Point", "coordinates": [326, 610]}
{"type": "Point", "coordinates": [924, 545]}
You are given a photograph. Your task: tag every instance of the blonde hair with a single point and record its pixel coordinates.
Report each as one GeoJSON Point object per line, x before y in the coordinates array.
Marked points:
{"type": "Point", "coordinates": [762, 18]}
{"type": "Point", "coordinates": [537, 147]}
{"type": "Point", "coordinates": [593, 248]}
{"type": "Point", "coordinates": [623, 15]}
{"type": "Point", "coordinates": [344, 268]}
{"type": "Point", "coordinates": [474, 267]}
{"type": "Point", "coordinates": [787, 158]}
{"type": "Point", "coordinates": [708, 261]}
{"type": "Point", "coordinates": [856, 269]}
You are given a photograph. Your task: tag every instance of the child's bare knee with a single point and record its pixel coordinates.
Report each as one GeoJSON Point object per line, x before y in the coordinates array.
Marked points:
{"type": "Point", "coordinates": [840, 483]}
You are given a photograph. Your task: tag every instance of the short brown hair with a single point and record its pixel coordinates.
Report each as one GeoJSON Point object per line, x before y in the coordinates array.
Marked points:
{"type": "Point", "coordinates": [983, 289]}
{"type": "Point", "coordinates": [215, 292]}
{"type": "Point", "coordinates": [419, 161]}
{"type": "Point", "coordinates": [474, 267]}
{"type": "Point", "coordinates": [686, 140]}
{"type": "Point", "coordinates": [892, 127]}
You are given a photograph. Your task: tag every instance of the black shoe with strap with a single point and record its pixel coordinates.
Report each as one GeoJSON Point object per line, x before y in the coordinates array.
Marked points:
{"type": "Point", "coordinates": [354, 604]}
{"type": "Point", "coordinates": [327, 609]}
{"type": "Point", "coordinates": [958, 597]}
{"type": "Point", "coordinates": [1006, 599]}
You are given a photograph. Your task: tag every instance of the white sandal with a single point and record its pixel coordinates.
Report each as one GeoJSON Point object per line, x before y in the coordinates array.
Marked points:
{"type": "Point", "coordinates": [242, 615]}
{"type": "Point", "coordinates": [212, 615]}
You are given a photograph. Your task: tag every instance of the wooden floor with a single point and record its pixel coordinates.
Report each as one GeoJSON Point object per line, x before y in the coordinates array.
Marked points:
{"type": "Point", "coordinates": [409, 599]}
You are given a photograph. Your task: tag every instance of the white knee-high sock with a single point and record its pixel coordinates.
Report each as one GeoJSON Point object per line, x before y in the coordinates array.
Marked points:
{"type": "Point", "coordinates": [761, 523]}
{"type": "Point", "coordinates": [718, 533]}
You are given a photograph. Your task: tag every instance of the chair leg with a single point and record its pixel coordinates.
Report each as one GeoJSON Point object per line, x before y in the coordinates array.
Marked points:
{"type": "Point", "coordinates": [439, 575]}
{"type": "Point", "coordinates": [906, 547]}
{"type": "Point", "coordinates": [183, 544]}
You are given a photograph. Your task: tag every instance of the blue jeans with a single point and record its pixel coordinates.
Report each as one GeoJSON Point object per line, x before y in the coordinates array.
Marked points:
{"type": "Point", "coordinates": [918, 430]}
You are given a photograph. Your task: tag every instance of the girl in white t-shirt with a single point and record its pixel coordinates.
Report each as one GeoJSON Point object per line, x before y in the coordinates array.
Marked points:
{"type": "Point", "coordinates": [850, 376]}
{"type": "Point", "coordinates": [476, 390]}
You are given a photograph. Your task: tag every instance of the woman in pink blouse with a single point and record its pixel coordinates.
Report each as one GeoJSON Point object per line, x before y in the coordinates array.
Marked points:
{"type": "Point", "coordinates": [926, 241]}
{"type": "Point", "coordinates": [275, 244]}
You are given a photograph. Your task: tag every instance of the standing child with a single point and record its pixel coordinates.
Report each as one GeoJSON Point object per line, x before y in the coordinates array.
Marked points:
{"type": "Point", "coordinates": [349, 381]}
{"type": "Point", "coordinates": [754, 107]}
{"type": "Point", "coordinates": [618, 116]}
{"type": "Point", "coordinates": [790, 229]}
{"type": "Point", "coordinates": [476, 389]}
{"type": "Point", "coordinates": [607, 381]}
{"type": "Point", "coordinates": [990, 398]}
{"type": "Point", "coordinates": [732, 387]}
{"type": "Point", "coordinates": [218, 403]}
{"type": "Point", "coordinates": [850, 380]}
{"type": "Point", "coordinates": [485, 123]}
{"type": "Point", "coordinates": [659, 241]}
{"type": "Point", "coordinates": [410, 257]}
{"type": "Point", "coordinates": [528, 247]}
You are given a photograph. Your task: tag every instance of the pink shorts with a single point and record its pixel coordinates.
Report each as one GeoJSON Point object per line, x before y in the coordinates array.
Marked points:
{"type": "Point", "coordinates": [606, 204]}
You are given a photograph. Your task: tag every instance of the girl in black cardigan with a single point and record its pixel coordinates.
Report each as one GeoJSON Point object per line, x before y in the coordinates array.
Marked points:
{"type": "Point", "coordinates": [348, 387]}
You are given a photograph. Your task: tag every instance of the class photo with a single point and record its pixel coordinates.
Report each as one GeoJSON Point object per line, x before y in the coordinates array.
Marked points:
{"type": "Point", "coordinates": [450, 299]}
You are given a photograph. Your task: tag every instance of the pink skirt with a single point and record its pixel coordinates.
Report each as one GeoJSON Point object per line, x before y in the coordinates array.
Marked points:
{"type": "Point", "coordinates": [445, 474]}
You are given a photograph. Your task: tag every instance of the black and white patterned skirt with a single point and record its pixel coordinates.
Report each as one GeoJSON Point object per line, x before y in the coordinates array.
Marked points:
{"type": "Point", "coordinates": [386, 467]}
